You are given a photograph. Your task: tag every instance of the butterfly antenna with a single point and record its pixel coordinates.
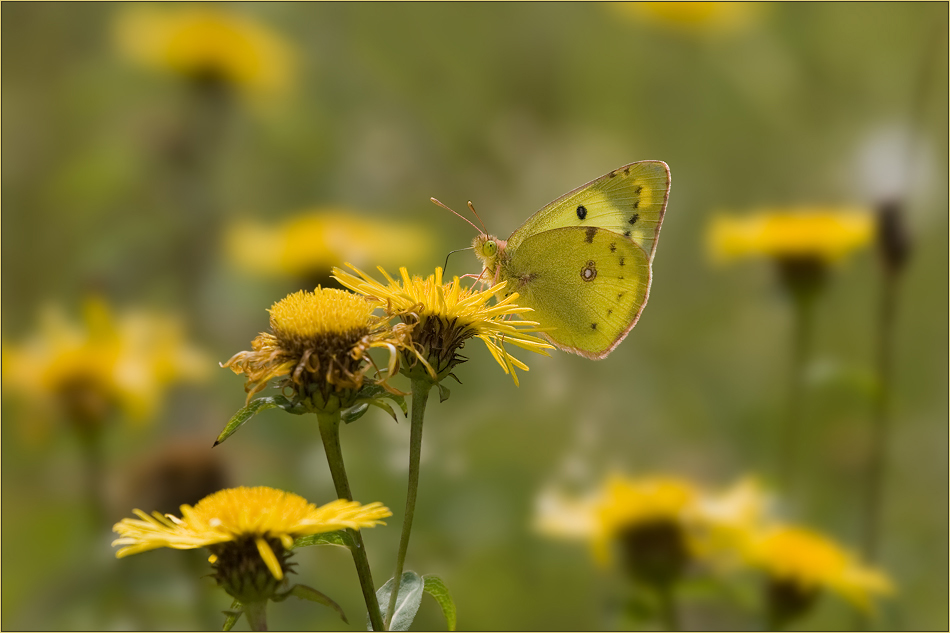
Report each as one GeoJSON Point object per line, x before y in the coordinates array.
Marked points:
{"type": "Point", "coordinates": [472, 207]}
{"type": "Point", "coordinates": [445, 267]}
{"type": "Point", "coordinates": [461, 216]}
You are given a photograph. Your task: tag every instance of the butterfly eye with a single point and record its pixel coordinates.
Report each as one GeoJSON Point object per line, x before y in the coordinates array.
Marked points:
{"type": "Point", "coordinates": [490, 248]}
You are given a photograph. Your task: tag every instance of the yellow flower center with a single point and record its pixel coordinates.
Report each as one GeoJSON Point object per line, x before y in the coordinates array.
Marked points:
{"type": "Point", "coordinates": [326, 311]}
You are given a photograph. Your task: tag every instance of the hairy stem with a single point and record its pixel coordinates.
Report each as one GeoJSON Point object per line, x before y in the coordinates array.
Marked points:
{"type": "Point", "coordinates": [330, 433]}
{"type": "Point", "coordinates": [789, 435]}
{"type": "Point", "coordinates": [256, 614]}
{"type": "Point", "coordinates": [880, 432]}
{"type": "Point", "coordinates": [420, 394]}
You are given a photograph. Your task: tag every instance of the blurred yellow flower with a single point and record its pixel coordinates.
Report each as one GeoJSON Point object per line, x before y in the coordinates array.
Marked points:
{"type": "Point", "coordinates": [318, 342]}
{"type": "Point", "coordinates": [644, 515]}
{"type": "Point", "coordinates": [806, 562]}
{"type": "Point", "coordinates": [444, 316]}
{"type": "Point", "coordinates": [691, 16]}
{"type": "Point", "coordinates": [729, 517]}
{"type": "Point", "coordinates": [250, 531]}
{"type": "Point", "coordinates": [309, 244]}
{"type": "Point", "coordinates": [85, 373]}
{"type": "Point", "coordinates": [823, 234]}
{"type": "Point", "coordinates": [207, 41]}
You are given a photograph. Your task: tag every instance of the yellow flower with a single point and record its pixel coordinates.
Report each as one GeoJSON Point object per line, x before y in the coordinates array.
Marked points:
{"type": "Point", "coordinates": [655, 525]}
{"type": "Point", "coordinates": [444, 316]}
{"type": "Point", "coordinates": [85, 373]}
{"type": "Point", "coordinates": [729, 517]}
{"type": "Point", "coordinates": [820, 234]}
{"type": "Point", "coordinates": [647, 523]}
{"type": "Point", "coordinates": [244, 528]}
{"type": "Point", "coordinates": [726, 17]}
{"type": "Point", "coordinates": [309, 244]}
{"type": "Point", "coordinates": [318, 344]}
{"type": "Point", "coordinates": [629, 504]}
{"type": "Point", "coordinates": [204, 42]}
{"type": "Point", "coordinates": [804, 562]}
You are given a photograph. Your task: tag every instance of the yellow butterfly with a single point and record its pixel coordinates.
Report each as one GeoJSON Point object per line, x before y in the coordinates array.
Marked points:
{"type": "Point", "coordinates": [584, 261]}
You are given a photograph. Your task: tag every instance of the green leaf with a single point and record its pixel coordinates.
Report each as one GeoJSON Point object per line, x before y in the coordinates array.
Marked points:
{"type": "Point", "coordinates": [385, 407]}
{"type": "Point", "coordinates": [232, 616]}
{"type": "Point", "coordinates": [434, 586]}
{"type": "Point", "coordinates": [376, 392]}
{"type": "Point", "coordinates": [407, 601]}
{"type": "Point", "coordinates": [375, 396]}
{"type": "Point", "coordinates": [248, 412]}
{"type": "Point", "coordinates": [401, 401]}
{"type": "Point", "coordinates": [309, 593]}
{"type": "Point", "coordinates": [297, 408]}
{"type": "Point", "coordinates": [355, 413]}
{"type": "Point", "coordinates": [370, 391]}
{"type": "Point", "coordinates": [340, 537]}
{"type": "Point", "coordinates": [444, 392]}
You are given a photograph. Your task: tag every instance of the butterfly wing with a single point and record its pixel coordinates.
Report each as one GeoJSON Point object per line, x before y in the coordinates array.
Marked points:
{"type": "Point", "coordinates": [630, 201]}
{"type": "Point", "coordinates": [588, 284]}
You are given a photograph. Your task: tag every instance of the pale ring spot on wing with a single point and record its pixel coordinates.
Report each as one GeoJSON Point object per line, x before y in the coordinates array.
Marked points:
{"type": "Point", "coordinates": [589, 272]}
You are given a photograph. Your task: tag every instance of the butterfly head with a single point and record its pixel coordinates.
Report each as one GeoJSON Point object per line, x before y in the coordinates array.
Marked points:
{"type": "Point", "coordinates": [489, 250]}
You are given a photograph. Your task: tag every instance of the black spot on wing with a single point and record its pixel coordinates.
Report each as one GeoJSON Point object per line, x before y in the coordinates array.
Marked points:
{"type": "Point", "coordinates": [626, 171]}
{"type": "Point", "coordinates": [613, 247]}
{"type": "Point", "coordinates": [591, 232]}
{"type": "Point", "coordinates": [621, 260]}
{"type": "Point", "coordinates": [634, 218]}
{"type": "Point", "coordinates": [593, 326]}
{"type": "Point", "coordinates": [581, 212]}
{"type": "Point", "coordinates": [626, 233]}
{"type": "Point", "coordinates": [638, 189]}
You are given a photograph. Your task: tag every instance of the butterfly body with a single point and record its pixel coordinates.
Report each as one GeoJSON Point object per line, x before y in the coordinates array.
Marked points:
{"type": "Point", "coordinates": [583, 263]}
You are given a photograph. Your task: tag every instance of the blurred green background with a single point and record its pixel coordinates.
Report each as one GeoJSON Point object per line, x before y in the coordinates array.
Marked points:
{"type": "Point", "coordinates": [124, 181]}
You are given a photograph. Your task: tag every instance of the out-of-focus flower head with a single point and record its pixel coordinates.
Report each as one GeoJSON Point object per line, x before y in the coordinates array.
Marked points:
{"type": "Point", "coordinates": [654, 526]}
{"type": "Point", "coordinates": [729, 516]}
{"type": "Point", "coordinates": [827, 234]}
{"type": "Point", "coordinates": [443, 316]}
{"type": "Point", "coordinates": [318, 345]}
{"type": "Point", "coordinates": [207, 42]}
{"type": "Point", "coordinates": [85, 373]}
{"type": "Point", "coordinates": [803, 242]}
{"type": "Point", "coordinates": [800, 563]}
{"type": "Point", "coordinates": [249, 531]}
{"type": "Point", "coordinates": [307, 245]}
{"type": "Point", "coordinates": [178, 471]}
{"type": "Point", "coordinates": [692, 17]}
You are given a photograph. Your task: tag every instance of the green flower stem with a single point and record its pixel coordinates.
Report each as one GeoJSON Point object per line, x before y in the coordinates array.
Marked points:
{"type": "Point", "coordinates": [669, 615]}
{"type": "Point", "coordinates": [330, 433]}
{"type": "Point", "coordinates": [256, 614]}
{"type": "Point", "coordinates": [191, 181]}
{"type": "Point", "coordinates": [789, 435]}
{"type": "Point", "coordinates": [91, 439]}
{"type": "Point", "coordinates": [420, 395]}
{"type": "Point", "coordinates": [881, 430]}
